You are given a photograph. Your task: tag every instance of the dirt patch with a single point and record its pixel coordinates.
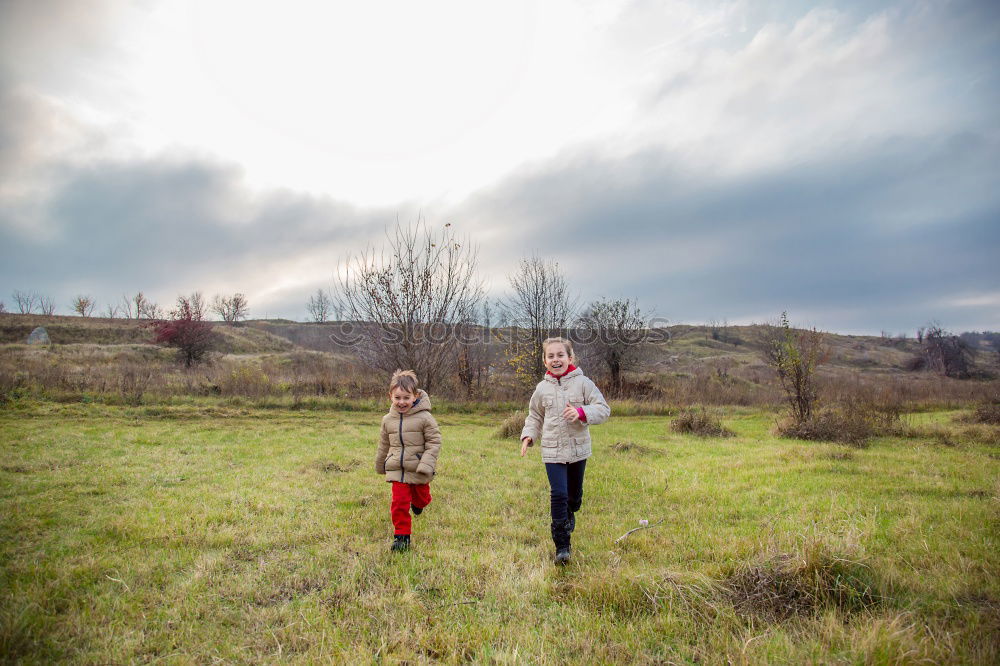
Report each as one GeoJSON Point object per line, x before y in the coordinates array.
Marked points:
{"type": "Point", "coordinates": [331, 467]}
{"type": "Point", "coordinates": [287, 591]}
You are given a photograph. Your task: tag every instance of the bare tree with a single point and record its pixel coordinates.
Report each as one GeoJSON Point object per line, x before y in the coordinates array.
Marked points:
{"type": "Point", "coordinates": [613, 332]}
{"type": "Point", "coordinates": [151, 311]}
{"type": "Point", "coordinates": [112, 312]}
{"type": "Point", "coordinates": [231, 308]}
{"type": "Point", "coordinates": [196, 302]}
{"type": "Point", "coordinates": [795, 355]}
{"type": "Point", "coordinates": [945, 353]}
{"type": "Point", "coordinates": [84, 305]}
{"type": "Point", "coordinates": [25, 301]}
{"type": "Point", "coordinates": [3, 308]}
{"type": "Point", "coordinates": [475, 352]}
{"type": "Point", "coordinates": [46, 305]}
{"type": "Point", "coordinates": [539, 307]}
{"type": "Point", "coordinates": [127, 305]}
{"type": "Point", "coordinates": [319, 306]}
{"type": "Point", "coordinates": [409, 297]}
{"type": "Point", "coordinates": [139, 307]}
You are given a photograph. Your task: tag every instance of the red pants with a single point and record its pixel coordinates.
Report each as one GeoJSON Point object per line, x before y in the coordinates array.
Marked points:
{"type": "Point", "coordinates": [404, 494]}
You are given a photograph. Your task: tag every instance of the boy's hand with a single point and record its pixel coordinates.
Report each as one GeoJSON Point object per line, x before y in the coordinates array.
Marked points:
{"type": "Point", "coordinates": [570, 413]}
{"type": "Point", "coordinates": [525, 443]}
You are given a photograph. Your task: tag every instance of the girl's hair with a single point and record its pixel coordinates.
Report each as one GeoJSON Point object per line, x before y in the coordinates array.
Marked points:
{"type": "Point", "coordinates": [404, 379]}
{"type": "Point", "coordinates": [563, 341]}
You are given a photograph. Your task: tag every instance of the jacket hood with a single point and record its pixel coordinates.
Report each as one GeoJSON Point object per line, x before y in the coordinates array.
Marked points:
{"type": "Point", "coordinates": [572, 373]}
{"type": "Point", "coordinates": [422, 404]}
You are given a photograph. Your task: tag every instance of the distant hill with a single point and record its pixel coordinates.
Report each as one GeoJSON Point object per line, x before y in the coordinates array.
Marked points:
{"type": "Point", "coordinates": [674, 348]}
{"type": "Point", "coordinates": [62, 330]}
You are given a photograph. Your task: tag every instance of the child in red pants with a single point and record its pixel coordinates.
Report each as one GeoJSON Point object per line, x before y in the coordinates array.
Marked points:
{"type": "Point", "coordinates": [407, 452]}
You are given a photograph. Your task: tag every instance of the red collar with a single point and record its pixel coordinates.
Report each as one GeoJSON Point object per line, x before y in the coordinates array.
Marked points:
{"type": "Point", "coordinates": [570, 369]}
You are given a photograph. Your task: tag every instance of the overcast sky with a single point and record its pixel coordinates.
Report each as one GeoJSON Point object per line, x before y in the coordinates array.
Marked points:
{"type": "Point", "coordinates": [714, 160]}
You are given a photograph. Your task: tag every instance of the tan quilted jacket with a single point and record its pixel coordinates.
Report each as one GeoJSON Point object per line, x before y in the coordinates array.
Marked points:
{"type": "Point", "coordinates": [561, 441]}
{"type": "Point", "coordinates": [409, 443]}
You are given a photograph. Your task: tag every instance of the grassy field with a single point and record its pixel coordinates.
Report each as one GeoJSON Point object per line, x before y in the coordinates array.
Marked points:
{"type": "Point", "coordinates": [203, 534]}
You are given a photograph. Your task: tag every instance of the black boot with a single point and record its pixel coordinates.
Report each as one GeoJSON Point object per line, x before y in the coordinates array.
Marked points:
{"type": "Point", "coordinates": [417, 510]}
{"type": "Point", "coordinates": [400, 542]}
{"type": "Point", "coordinates": [571, 523]}
{"type": "Point", "coordinates": [560, 536]}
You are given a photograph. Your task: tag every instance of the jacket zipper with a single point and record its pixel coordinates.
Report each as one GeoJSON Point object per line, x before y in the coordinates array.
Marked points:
{"type": "Point", "coordinates": [402, 450]}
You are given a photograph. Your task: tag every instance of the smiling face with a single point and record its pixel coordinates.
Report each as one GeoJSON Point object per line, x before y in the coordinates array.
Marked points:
{"type": "Point", "coordinates": [556, 358]}
{"type": "Point", "coordinates": [402, 399]}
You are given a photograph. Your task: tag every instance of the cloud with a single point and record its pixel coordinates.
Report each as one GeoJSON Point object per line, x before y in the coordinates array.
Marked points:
{"type": "Point", "coordinates": [839, 164]}
{"type": "Point", "coordinates": [173, 226]}
{"type": "Point", "coordinates": [878, 237]}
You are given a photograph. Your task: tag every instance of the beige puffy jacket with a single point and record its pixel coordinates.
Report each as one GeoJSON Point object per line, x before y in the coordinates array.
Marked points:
{"type": "Point", "coordinates": [563, 441]}
{"type": "Point", "coordinates": [409, 444]}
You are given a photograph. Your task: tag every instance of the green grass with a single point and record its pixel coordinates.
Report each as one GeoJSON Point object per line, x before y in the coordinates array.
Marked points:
{"type": "Point", "coordinates": [196, 533]}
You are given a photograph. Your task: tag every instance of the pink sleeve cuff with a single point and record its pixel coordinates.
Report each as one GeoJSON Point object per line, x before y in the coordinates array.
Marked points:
{"type": "Point", "coordinates": [583, 415]}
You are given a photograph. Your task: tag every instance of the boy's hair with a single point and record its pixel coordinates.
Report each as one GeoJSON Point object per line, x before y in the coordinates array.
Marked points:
{"type": "Point", "coordinates": [404, 379]}
{"type": "Point", "coordinates": [563, 341]}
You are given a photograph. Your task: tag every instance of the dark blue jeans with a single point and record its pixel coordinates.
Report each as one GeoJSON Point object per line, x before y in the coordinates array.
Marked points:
{"type": "Point", "coordinates": [566, 483]}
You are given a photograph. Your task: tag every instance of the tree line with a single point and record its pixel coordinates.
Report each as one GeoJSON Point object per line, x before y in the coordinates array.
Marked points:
{"type": "Point", "coordinates": [418, 301]}
{"type": "Point", "coordinates": [230, 309]}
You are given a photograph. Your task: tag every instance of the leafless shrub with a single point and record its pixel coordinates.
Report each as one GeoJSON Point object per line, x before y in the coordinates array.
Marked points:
{"type": "Point", "coordinates": [699, 422]}
{"type": "Point", "coordinates": [945, 353]}
{"type": "Point", "coordinates": [415, 293]}
{"type": "Point", "coordinates": [854, 423]}
{"type": "Point", "coordinates": [511, 427]}
{"type": "Point", "coordinates": [828, 425]}
{"type": "Point", "coordinates": [133, 383]}
{"type": "Point", "coordinates": [986, 413]}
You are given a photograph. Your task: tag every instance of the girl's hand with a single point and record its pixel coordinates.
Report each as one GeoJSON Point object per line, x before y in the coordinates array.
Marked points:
{"type": "Point", "coordinates": [570, 413]}
{"type": "Point", "coordinates": [525, 443]}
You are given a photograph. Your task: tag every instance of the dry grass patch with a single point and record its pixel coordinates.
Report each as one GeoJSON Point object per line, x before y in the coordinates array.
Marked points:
{"type": "Point", "coordinates": [625, 447]}
{"type": "Point", "coordinates": [511, 426]}
{"type": "Point", "coordinates": [699, 422]}
{"type": "Point", "coordinates": [787, 585]}
{"type": "Point", "coordinates": [987, 414]}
